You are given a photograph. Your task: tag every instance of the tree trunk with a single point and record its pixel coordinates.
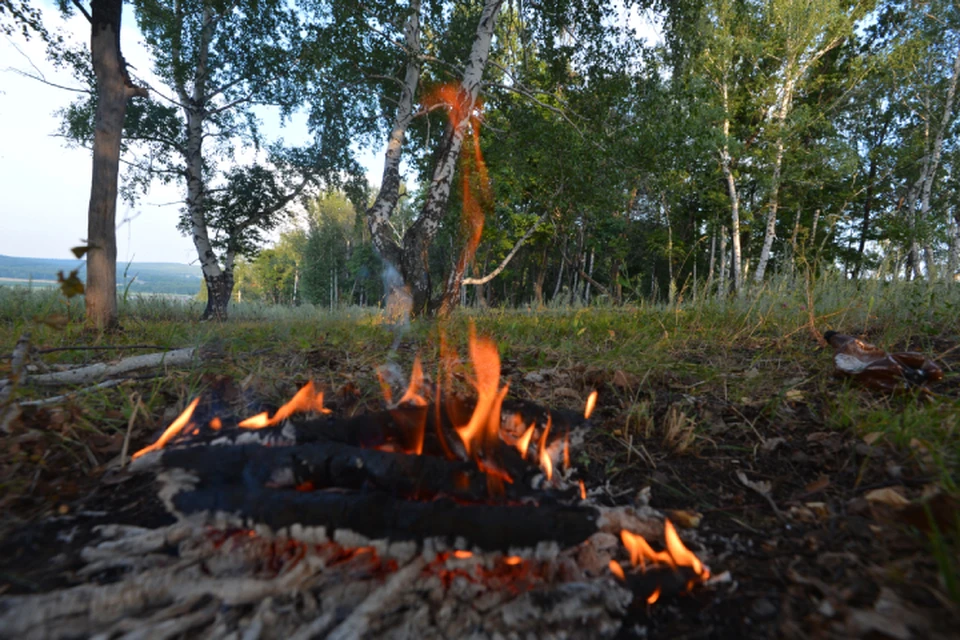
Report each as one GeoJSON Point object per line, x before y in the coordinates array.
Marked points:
{"type": "Point", "coordinates": [734, 195]}
{"type": "Point", "coordinates": [417, 240]}
{"type": "Point", "coordinates": [382, 233]}
{"type": "Point", "coordinates": [219, 290]}
{"type": "Point", "coordinates": [722, 287]}
{"type": "Point", "coordinates": [114, 89]}
{"type": "Point", "coordinates": [865, 221]}
{"type": "Point", "coordinates": [541, 276]}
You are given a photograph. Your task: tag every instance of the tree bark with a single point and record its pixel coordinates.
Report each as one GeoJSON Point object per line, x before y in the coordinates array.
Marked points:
{"type": "Point", "coordinates": [114, 89]}
{"type": "Point", "coordinates": [383, 234]}
{"type": "Point", "coordinates": [417, 240]}
{"type": "Point", "coordinates": [734, 195]}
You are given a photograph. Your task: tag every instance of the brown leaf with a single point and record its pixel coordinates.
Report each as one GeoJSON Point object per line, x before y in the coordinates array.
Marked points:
{"type": "Point", "coordinates": [888, 496]}
{"type": "Point", "coordinates": [818, 485]}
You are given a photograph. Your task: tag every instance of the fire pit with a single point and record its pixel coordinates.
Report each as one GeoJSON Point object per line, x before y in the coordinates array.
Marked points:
{"type": "Point", "coordinates": [439, 516]}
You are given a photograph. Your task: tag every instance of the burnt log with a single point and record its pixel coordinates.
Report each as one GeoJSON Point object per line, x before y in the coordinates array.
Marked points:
{"type": "Point", "coordinates": [323, 465]}
{"type": "Point", "coordinates": [379, 516]}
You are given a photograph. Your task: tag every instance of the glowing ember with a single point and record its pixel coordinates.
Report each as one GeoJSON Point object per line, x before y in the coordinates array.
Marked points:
{"type": "Point", "coordinates": [653, 597]}
{"type": "Point", "coordinates": [462, 555]}
{"type": "Point", "coordinates": [566, 451]}
{"type": "Point", "coordinates": [307, 399]}
{"type": "Point", "coordinates": [523, 444]}
{"type": "Point", "coordinates": [583, 491]}
{"type": "Point", "coordinates": [616, 569]}
{"type": "Point", "coordinates": [512, 560]}
{"type": "Point", "coordinates": [215, 424]}
{"type": "Point", "coordinates": [175, 427]}
{"type": "Point", "coordinates": [591, 404]}
{"type": "Point", "coordinates": [545, 462]}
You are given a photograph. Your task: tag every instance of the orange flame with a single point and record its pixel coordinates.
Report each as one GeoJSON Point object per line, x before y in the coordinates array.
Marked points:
{"type": "Point", "coordinates": [675, 555]}
{"type": "Point", "coordinates": [462, 555]}
{"type": "Point", "coordinates": [482, 432]}
{"type": "Point", "coordinates": [545, 462]}
{"type": "Point", "coordinates": [182, 421]}
{"type": "Point", "coordinates": [462, 113]}
{"type": "Point", "coordinates": [523, 444]}
{"type": "Point", "coordinates": [412, 394]}
{"type": "Point", "coordinates": [306, 399]}
{"type": "Point", "coordinates": [616, 569]}
{"type": "Point", "coordinates": [566, 451]}
{"type": "Point", "coordinates": [583, 491]}
{"type": "Point", "coordinates": [215, 423]}
{"type": "Point", "coordinates": [591, 404]}
{"type": "Point", "coordinates": [512, 560]}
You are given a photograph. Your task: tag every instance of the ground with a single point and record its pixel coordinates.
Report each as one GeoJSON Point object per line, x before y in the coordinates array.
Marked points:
{"type": "Point", "coordinates": [833, 507]}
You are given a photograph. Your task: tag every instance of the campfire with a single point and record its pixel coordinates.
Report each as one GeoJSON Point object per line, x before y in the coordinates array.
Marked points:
{"type": "Point", "coordinates": [443, 515]}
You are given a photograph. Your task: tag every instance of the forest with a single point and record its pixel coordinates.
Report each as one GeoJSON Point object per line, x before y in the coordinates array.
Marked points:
{"type": "Point", "coordinates": [538, 152]}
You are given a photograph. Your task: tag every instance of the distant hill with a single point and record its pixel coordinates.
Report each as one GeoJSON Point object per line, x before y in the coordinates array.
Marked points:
{"type": "Point", "coordinates": [148, 277]}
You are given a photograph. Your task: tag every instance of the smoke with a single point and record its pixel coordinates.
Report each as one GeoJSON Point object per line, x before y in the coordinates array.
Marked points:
{"type": "Point", "coordinates": [399, 303]}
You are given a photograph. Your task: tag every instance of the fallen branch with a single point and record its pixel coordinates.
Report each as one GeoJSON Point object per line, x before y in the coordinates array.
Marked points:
{"type": "Point", "coordinates": [85, 375]}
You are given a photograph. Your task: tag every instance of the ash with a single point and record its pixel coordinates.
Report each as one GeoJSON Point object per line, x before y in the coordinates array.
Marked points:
{"type": "Point", "coordinates": [194, 580]}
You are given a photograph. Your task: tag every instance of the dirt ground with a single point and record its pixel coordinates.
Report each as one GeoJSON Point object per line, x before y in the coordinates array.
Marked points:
{"type": "Point", "coordinates": [821, 530]}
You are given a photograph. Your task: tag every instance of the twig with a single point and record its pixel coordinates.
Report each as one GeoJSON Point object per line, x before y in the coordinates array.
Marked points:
{"type": "Point", "coordinates": [49, 402]}
{"type": "Point", "coordinates": [177, 357]}
{"type": "Point", "coordinates": [126, 438]}
{"type": "Point", "coordinates": [18, 375]}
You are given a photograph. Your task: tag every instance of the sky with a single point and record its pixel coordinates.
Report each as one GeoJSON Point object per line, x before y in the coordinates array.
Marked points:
{"type": "Point", "coordinates": [45, 184]}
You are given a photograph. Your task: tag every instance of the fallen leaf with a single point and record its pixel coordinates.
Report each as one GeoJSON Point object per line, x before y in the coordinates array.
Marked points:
{"type": "Point", "coordinates": [763, 487]}
{"type": "Point", "coordinates": [771, 444]}
{"type": "Point", "coordinates": [794, 395]}
{"type": "Point", "coordinates": [870, 438]}
{"type": "Point", "coordinates": [818, 485]}
{"type": "Point", "coordinates": [685, 519]}
{"type": "Point", "coordinates": [888, 496]}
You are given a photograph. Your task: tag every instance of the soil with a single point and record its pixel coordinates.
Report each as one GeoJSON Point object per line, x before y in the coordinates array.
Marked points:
{"type": "Point", "coordinates": [809, 554]}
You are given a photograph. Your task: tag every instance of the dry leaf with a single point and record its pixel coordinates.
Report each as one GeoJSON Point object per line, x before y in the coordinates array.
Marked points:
{"type": "Point", "coordinates": [685, 519]}
{"type": "Point", "coordinates": [888, 496]}
{"type": "Point", "coordinates": [817, 485]}
{"type": "Point", "coordinates": [762, 487]}
{"type": "Point", "coordinates": [870, 438]}
{"type": "Point", "coordinates": [794, 395]}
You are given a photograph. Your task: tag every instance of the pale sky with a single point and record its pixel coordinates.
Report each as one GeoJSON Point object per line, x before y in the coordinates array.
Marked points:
{"type": "Point", "coordinates": [45, 185]}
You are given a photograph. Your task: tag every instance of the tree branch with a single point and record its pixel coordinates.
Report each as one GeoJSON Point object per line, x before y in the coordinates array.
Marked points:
{"type": "Point", "coordinates": [493, 274]}
{"type": "Point", "coordinates": [83, 10]}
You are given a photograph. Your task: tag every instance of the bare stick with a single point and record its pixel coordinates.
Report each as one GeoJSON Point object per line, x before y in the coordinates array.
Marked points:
{"type": "Point", "coordinates": [177, 357]}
